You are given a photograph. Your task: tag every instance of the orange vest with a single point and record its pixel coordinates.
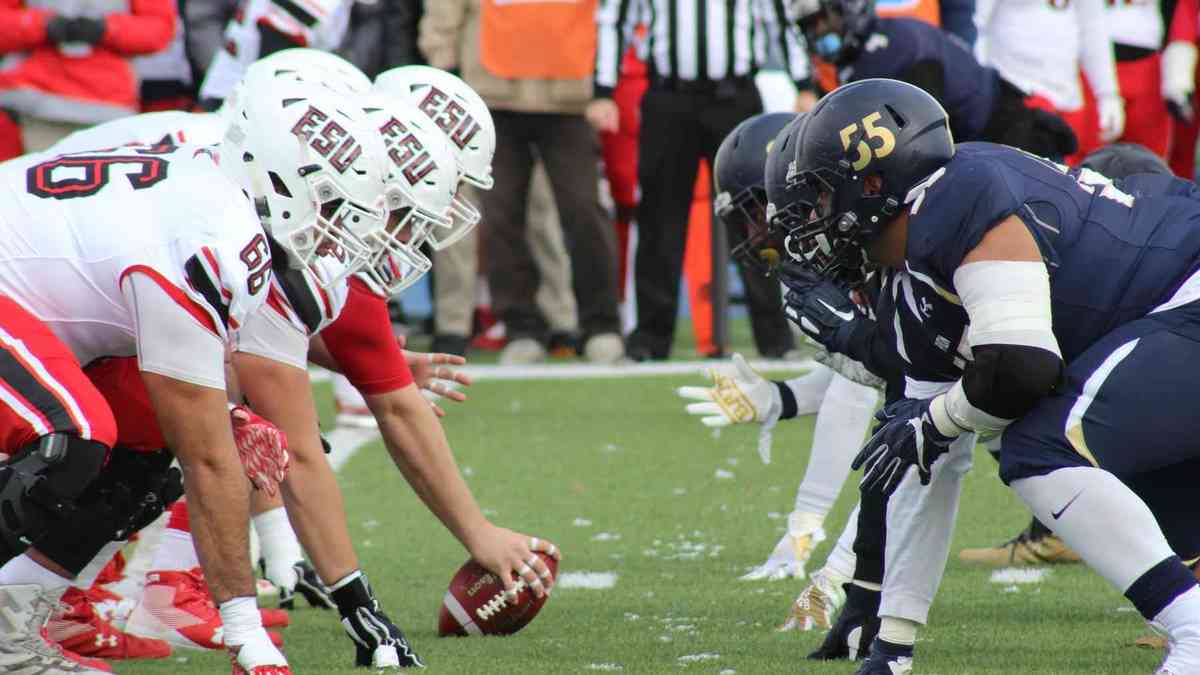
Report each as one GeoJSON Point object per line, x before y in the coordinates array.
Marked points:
{"type": "Point", "coordinates": [925, 10]}
{"type": "Point", "coordinates": [538, 39]}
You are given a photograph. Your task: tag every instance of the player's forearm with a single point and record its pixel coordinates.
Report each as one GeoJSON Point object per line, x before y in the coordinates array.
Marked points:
{"type": "Point", "coordinates": [418, 446]}
{"type": "Point", "coordinates": [195, 422]}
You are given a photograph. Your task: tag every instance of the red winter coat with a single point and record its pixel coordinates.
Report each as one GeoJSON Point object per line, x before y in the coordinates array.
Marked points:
{"type": "Point", "coordinates": [82, 86]}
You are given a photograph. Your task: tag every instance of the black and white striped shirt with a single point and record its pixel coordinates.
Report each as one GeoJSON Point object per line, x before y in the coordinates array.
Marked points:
{"type": "Point", "coordinates": [698, 40]}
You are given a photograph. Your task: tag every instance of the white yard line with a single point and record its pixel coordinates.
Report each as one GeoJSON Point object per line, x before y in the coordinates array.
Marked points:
{"type": "Point", "coordinates": [346, 442]}
{"type": "Point", "coordinates": [564, 371]}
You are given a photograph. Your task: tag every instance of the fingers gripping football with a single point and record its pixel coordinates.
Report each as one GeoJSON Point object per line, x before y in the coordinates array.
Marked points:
{"type": "Point", "coordinates": [262, 447]}
{"type": "Point", "coordinates": [511, 556]}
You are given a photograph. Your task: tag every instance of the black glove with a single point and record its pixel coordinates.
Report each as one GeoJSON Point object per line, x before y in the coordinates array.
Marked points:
{"type": "Point", "coordinates": [379, 643]}
{"type": "Point", "coordinates": [58, 30]}
{"type": "Point", "coordinates": [856, 626]}
{"type": "Point", "coordinates": [87, 30]}
{"type": "Point", "coordinates": [821, 308]}
{"type": "Point", "coordinates": [908, 437]}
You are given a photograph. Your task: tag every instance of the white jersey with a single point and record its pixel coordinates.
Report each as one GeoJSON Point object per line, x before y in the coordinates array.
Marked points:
{"type": "Point", "coordinates": [1039, 46]}
{"type": "Point", "coordinates": [1137, 23]}
{"type": "Point", "coordinates": [131, 251]}
{"type": "Point", "coordinates": [170, 128]}
{"type": "Point", "coordinates": [317, 24]}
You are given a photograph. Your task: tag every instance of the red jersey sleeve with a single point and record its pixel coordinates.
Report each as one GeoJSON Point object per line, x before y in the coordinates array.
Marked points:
{"type": "Point", "coordinates": [1184, 24]}
{"type": "Point", "coordinates": [21, 28]}
{"type": "Point", "coordinates": [148, 27]}
{"type": "Point", "coordinates": [362, 343]}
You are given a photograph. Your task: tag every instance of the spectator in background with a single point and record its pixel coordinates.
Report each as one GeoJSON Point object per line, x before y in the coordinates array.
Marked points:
{"type": "Point", "coordinates": [73, 67]}
{"type": "Point", "coordinates": [167, 81]}
{"type": "Point", "coordinates": [703, 57]}
{"type": "Point", "coordinates": [525, 61]}
{"type": "Point", "coordinates": [1039, 46]}
{"type": "Point", "coordinates": [383, 34]}
{"type": "Point", "coordinates": [204, 34]}
{"type": "Point", "coordinates": [1138, 31]}
{"type": "Point", "coordinates": [1179, 86]}
{"type": "Point", "coordinates": [956, 17]}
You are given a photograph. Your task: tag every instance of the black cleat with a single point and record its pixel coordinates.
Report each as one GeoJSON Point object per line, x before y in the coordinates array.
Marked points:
{"type": "Point", "coordinates": [309, 585]}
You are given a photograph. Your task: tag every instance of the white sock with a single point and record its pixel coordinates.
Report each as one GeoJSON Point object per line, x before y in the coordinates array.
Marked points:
{"type": "Point", "coordinates": [897, 631]}
{"type": "Point", "coordinates": [345, 393]}
{"type": "Point", "coordinates": [88, 576]}
{"type": "Point", "coordinates": [1181, 618]}
{"type": "Point", "coordinates": [241, 619]}
{"type": "Point", "coordinates": [842, 423]}
{"type": "Point", "coordinates": [25, 570]}
{"type": "Point", "coordinates": [176, 551]}
{"type": "Point", "coordinates": [280, 547]}
{"type": "Point", "coordinates": [839, 566]}
{"type": "Point", "coordinates": [1110, 527]}
{"type": "Point", "coordinates": [809, 389]}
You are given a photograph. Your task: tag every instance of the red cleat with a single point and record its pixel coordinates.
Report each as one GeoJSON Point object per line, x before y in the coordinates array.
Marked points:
{"type": "Point", "coordinates": [81, 630]}
{"type": "Point", "coordinates": [274, 618]}
{"type": "Point", "coordinates": [176, 607]}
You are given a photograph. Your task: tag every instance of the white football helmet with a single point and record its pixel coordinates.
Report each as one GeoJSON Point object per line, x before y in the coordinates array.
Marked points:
{"type": "Point", "coordinates": [462, 116]}
{"type": "Point", "coordinates": [314, 167]}
{"type": "Point", "coordinates": [422, 177]}
{"type": "Point", "coordinates": [300, 63]}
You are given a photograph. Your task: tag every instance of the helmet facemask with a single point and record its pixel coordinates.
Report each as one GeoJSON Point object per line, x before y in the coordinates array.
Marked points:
{"type": "Point", "coordinates": [462, 216]}
{"type": "Point", "coordinates": [745, 217]}
{"type": "Point", "coordinates": [336, 227]}
{"type": "Point", "coordinates": [828, 239]}
{"type": "Point", "coordinates": [397, 261]}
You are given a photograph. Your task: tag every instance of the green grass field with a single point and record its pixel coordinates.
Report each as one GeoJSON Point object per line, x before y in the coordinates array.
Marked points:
{"type": "Point", "coordinates": [617, 475]}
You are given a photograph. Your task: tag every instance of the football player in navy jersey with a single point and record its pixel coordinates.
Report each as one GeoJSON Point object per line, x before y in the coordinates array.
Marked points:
{"type": "Point", "coordinates": [983, 106]}
{"type": "Point", "coordinates": [1082, 325]}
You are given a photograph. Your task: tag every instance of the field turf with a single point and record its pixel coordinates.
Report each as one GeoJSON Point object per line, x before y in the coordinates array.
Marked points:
{"type": "Point", "coordinates": [625, 483]}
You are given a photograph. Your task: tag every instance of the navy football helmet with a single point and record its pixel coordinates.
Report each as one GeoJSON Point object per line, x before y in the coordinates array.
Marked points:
{"type": "Point", "coordinates": [1121, 160]}
{"type": "Point", "coordinates": [741, 197]}
{"type": "Point", "coordinates": [835, 29]}
{"type": "Point", "coordinates": [872, 128]}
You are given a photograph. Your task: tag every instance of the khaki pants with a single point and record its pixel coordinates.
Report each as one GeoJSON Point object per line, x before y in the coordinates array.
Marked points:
{"type": "Point", "coordinates": [456, 269]}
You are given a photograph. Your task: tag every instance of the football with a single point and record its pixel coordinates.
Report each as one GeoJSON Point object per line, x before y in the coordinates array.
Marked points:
{"type": "Point", "coordinates": [475, 604]}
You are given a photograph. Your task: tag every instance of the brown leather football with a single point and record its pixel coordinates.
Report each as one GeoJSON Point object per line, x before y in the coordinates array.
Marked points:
{"type": "Point", "coordinates": [475, 605]}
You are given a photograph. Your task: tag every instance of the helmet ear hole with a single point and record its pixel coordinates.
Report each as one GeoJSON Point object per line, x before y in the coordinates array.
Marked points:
{"type": "Point", "coordinates": [896, 116]}
{"type": "Point", "coordinates": [281, 188]}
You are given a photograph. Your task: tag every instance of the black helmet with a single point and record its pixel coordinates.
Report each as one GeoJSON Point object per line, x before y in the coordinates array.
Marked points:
{"type": "Point", "coordinates": [738, 176]}
{"type": "Point", "coordinates": [876, 127]}
{"type": "Point", "coordinates": [835, 29]}
{"type": "Point", "coordinates": [1121, 160]}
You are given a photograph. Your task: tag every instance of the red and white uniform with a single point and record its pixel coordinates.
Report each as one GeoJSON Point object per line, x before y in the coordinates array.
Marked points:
{"type": "Point", "coordinates": [1137, 30]}
{"type": "Point", "coordinates": [157, 128]}
{"type": "Point", "coordinates": [115, 254]}
{"type": "Point", "coordinates": [318, 24]}
{"type": "Point", "coordinates": [1040, 45]}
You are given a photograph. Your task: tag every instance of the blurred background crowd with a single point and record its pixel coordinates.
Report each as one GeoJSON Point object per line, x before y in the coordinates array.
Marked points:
{"type": "Point", "coordinates": [599, 231]}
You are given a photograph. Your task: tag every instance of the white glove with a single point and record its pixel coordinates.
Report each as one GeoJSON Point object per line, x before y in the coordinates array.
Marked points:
{"type": "Point", "coordinates": [1112, 117]}
{"type": "Point", "coordinates": [792, 552]}
{"type": "Point", "coordinates": [739, 396]}
{"type": "Point", "coordinates": [817, 604]}
{"type": "Point", "coordinates": [1179, 78]}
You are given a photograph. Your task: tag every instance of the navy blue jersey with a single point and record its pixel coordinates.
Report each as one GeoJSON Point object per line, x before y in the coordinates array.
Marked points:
{"type": "Point", "coordinates": [1112, 256]}
{"type": "Point", "coordinates": [898, 45]}
{"type": "Point", "coordinates": [926, 329]}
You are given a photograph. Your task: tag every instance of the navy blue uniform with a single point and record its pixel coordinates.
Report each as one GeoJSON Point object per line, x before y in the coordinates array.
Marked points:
{"type": "Point", "coordinates": [1121, 268]}
{"type": "Point", "coordinates": [902, 48]}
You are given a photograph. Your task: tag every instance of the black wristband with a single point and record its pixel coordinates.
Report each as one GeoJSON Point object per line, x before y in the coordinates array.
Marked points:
{"type": "Point", "coordinates": [789, 400]}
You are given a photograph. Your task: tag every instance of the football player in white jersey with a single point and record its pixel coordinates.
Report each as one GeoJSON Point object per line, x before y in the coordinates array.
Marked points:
{"type": "Point", "coordinates": [115, 253]}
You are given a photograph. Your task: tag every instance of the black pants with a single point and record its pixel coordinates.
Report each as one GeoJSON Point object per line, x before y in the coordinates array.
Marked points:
{"type": "Point", "coordinates": [568, 148]}
{"type": "Point", "coordinates": [679, 128]}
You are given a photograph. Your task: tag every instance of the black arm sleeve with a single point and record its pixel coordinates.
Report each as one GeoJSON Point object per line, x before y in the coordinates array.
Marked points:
{"type": "Point", "coordinates": [1007, 381]}
{"type": "Point", "coordinates": [870, 347]}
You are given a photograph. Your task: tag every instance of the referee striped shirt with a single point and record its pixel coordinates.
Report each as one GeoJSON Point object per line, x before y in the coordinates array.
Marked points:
{"type": "Point", "coordinates": [698, 40]}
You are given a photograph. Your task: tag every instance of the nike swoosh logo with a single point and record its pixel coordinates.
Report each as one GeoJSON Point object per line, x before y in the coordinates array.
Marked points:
{"type": "Point", "coordinates": [1056, 514]}
{"type": "Point", "coordinates": [844, 316]}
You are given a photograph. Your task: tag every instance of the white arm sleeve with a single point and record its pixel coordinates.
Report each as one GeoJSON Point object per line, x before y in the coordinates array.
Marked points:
{"type": "Point", "coordinates": [170, 341]}
{"type": "Point", "coordinates": [271, 336]}
{"type": "Point", "coordinates": [983, 17]}
{"type": "Point", "coordinates": [1096, 48]}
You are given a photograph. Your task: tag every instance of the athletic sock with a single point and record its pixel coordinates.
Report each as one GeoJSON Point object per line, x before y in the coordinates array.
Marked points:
{"type": "Point", "coordinates": [176, 550]}
{"type": "Point", "coordinates": [1180, 617]}
{"type": "Point", "coordinates": [898, 631]}
{"type": "Point", "coordinates": [842, 422]}
{"type": "Point", "coordinates": [25, 570]}
{"type": "Point", "coordinates": [280, 547]}
{"type": "Point", "coordinates": [1095, 514]}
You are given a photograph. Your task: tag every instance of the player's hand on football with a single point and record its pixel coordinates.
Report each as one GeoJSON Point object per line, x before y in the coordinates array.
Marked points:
{"type": "Point", "coordinates": [435, 376]}
{"type": "Point", "coordinates": [820, 308]}
{"type": "Point", "coordinates": [510, 556]}
{"type": "Point", "coordinates": [739, 395]}
{"type": "Point", "coordinates": [262, 447]}
{"type": "Point", "coordinates": [906, 437]}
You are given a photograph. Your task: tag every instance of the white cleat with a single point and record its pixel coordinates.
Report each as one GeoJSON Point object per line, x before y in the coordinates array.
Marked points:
{"type": "Point", "coordinates": [24, 647]}
{"type": "Point", "coordinates": [792, 552]}
{"type": "Point", "coordinates": [816, 605]}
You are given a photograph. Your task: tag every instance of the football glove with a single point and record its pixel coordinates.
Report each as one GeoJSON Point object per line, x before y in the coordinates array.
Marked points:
{"type": "Point", "coordinates": [262, 448]}
{"type": "Point", "coordinates": [1111, 110]}
{"type": "Point", "coordinates": [855, 628]}
{"type": "Point", "coordinates": [738, 396]}
{"type": "Point", "coordinates": [792, 552]}
{"type": "Point", "coordinates": [1178, 81]}
{"type": "Point", "coordinates": [820, 308]}
{"type": "Point", "coordinates": [906, 437]}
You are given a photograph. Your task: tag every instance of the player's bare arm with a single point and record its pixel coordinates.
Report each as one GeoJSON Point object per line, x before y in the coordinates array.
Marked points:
{"type": "Point", "coordinates": [418, 445]}
{"type": "Point", "coordinates": [195, 422]}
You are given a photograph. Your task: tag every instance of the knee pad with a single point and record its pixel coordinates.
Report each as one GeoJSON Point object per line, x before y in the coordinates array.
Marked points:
{"type": "Point", "coordinates": [39, 487]}
{"type": "Point", "coordinates": [132, 490]}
